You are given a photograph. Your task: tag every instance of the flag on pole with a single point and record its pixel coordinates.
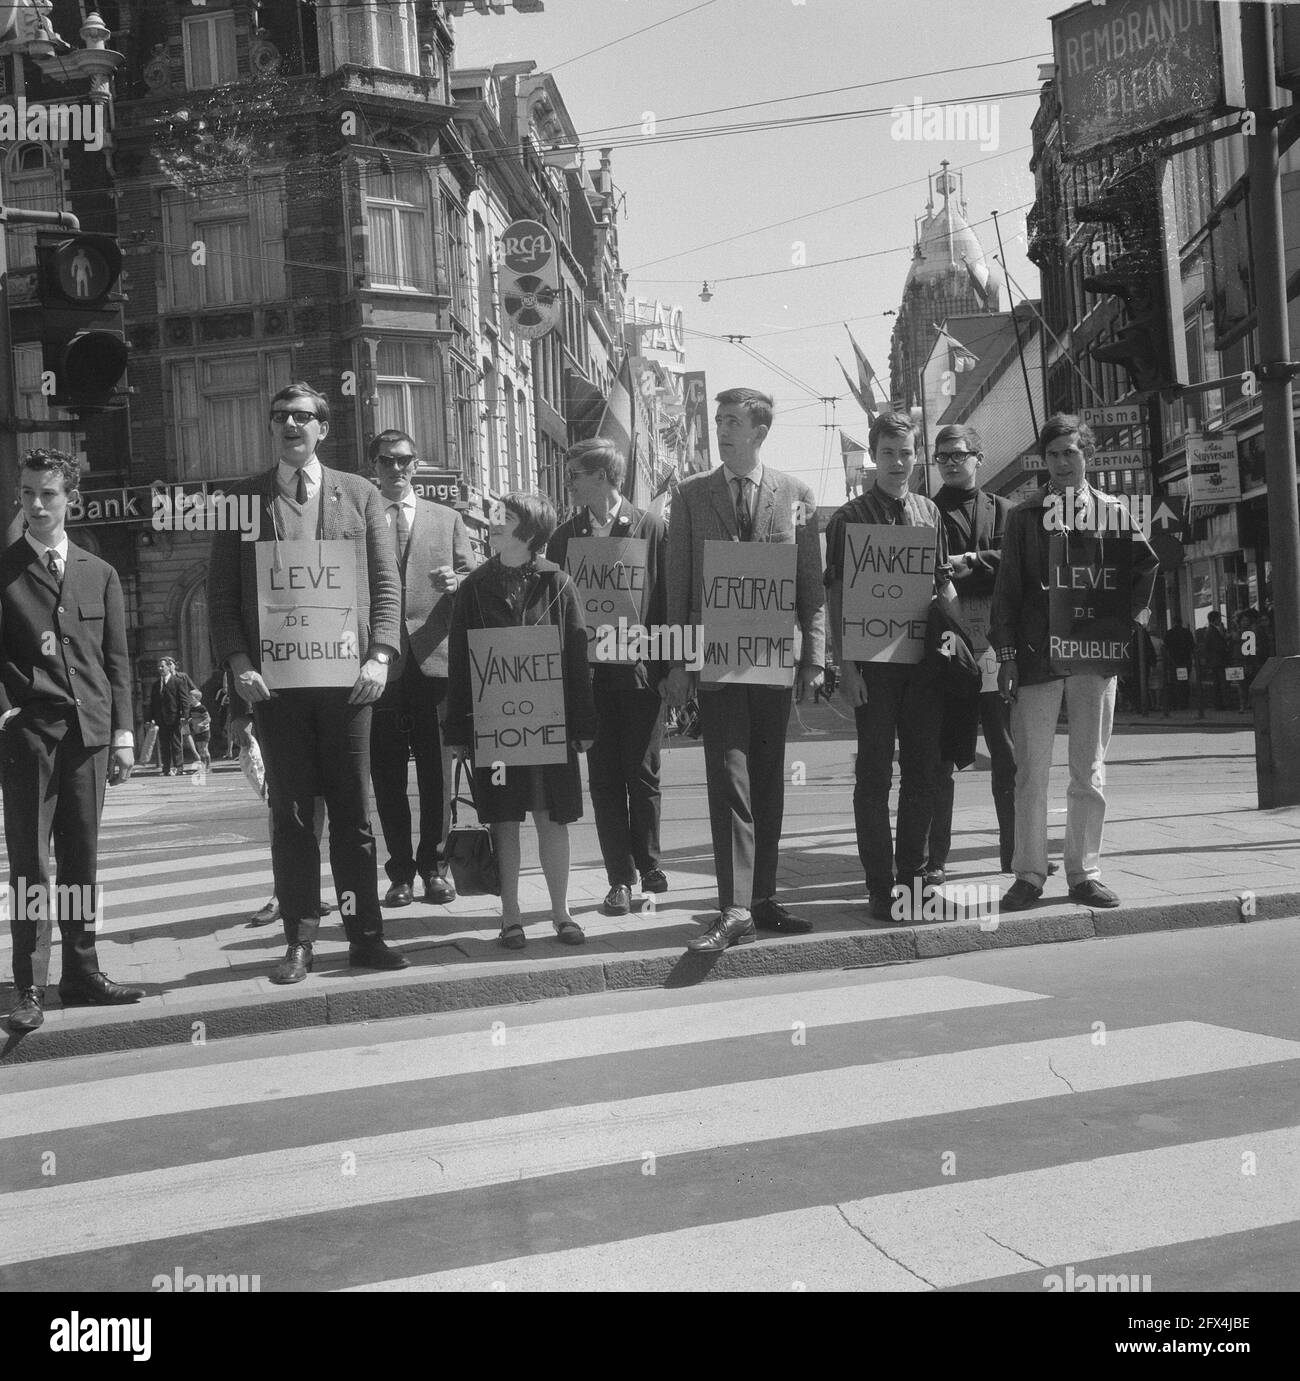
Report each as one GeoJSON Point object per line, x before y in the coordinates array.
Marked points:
{"type": "Point", "coordinates": [960, 359]}
{"type": "Point", "coordinates": [618, 421]}
{"type": "Point", "coordinates": [987, 283]}
{"type": "Point", "coordinates": [865, 392]}
{"type": "Point", "coordinates": [854, 455]}
{"type": "Point", "coordinates": [863, 400]}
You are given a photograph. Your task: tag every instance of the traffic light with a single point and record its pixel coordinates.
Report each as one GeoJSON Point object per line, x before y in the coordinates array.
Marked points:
{"type": "Point", "coordinates": [83, 348]}
{"type": "Point", "coordinates": [1137, 276]}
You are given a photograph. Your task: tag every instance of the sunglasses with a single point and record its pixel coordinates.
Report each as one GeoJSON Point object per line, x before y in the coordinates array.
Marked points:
{"type": "Point", "coordinates": [299, 416]}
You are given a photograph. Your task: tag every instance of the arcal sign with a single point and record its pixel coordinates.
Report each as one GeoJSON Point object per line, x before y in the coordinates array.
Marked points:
{"type": "Point", "coordinates": [1133, 68]}
{"type": "Point", "coordinates": [528, 248]}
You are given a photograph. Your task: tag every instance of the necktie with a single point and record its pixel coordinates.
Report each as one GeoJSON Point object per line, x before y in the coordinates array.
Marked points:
{"type": "Point", "coordinates": [302, 487]}
{"type": "Point", "coordinates": [401, 530]}
{"type": "Point", "coordinates": [744, 518]}
{"type": "Point", "coordinates": [52, 561]}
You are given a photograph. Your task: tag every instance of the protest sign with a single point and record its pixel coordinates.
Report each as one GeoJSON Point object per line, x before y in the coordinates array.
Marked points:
{"type": "Point", "coordinates": [749, 613]}
{"type": "Point", "coordinates": [517, 689]}
{"type": "Point", "coordinates": [1090, 598]}
{"type": "Point", "coordinates": [610, 575]}
{"type": "Point", "coordinates": [888, 584]}
{"type": "Point", "coordinates": [307, 607]}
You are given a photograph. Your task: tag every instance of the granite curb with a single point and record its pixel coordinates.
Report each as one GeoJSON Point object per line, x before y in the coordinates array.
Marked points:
{"type": "Point", "coordinates": [192, 1017]}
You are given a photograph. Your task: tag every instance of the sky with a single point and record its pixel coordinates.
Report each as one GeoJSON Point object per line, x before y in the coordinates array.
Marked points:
{"type": "Point", "coordinates": [787, 203]}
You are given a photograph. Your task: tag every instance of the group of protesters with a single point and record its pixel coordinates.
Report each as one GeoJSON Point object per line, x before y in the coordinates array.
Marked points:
{"type": "Point", "coordinates": [982, 650]}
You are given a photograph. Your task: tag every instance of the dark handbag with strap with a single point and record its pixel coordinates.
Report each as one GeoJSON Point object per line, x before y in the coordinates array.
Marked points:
{"type": "Point", "coordinates": [470, 851]}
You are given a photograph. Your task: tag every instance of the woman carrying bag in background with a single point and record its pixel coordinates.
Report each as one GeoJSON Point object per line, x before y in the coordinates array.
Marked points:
{"type": "Point", "coordinates": [520, 588]}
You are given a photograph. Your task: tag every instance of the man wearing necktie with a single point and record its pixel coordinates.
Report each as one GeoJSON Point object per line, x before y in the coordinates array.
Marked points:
{"type": "Point", "coordinates": [744, 726]}
{"type": "Point", "coordinates": [169, 706]}
{"type": "Point", "coordinates": [65, 725]}
{"type": "Point", "coordinates": [433, 552]}
{"type": "Point", "coordinates": [315, 741]}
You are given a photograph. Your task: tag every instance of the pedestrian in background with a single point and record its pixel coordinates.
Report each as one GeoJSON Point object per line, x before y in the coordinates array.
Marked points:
{"type": "Point", "coordinates": [200, 723]}
{"type": "Point", "coordinates": [1180, 649]}
{"type": "Point", "coordinates": [169, 707]}
{"type": "Point", "coordinates": [1214, 654]}
{"type": "Point", "coordinates": [520, 588]}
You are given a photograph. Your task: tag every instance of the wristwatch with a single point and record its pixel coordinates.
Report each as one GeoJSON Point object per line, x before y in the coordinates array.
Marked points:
{"type": "Point", "coordinates": [383, 658]}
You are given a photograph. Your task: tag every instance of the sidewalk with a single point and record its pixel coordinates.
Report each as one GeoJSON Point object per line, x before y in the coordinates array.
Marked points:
{"type": "Point", "coordinates": [183, 866]}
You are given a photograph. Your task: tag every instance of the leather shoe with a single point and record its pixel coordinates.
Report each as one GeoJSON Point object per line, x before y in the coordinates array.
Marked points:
{"type": "Point", "coordinates": [27, 1015]}
{"type": "Point", "coordinates": [326, 909]}
{"type": "Point", "coordinates": [1092, 893]}
{"type": "Point", "coordinates": [375, 954]}
{"type": "Point", "coordinates": [880, 904]}
{"type": "Point", "coordinates": [399, 894]}
{"type": "Point", "coordinates": [439, 888]}
{"type": "Point", "coordinates": [270, 912]}
{"type": "Point", "coordinates": [654, 881]}
{"type": "Point", "coordinates": [97, 990]}
{"type": "Point", "coordinates": [771, 915]}
{"type": "Point", "coordinates": [734, 927]}
{"type": "Point", "coordinates": [295, 966]}
{"type": "Point", "coordinates": [1020, 895]}
{"type": "Point", "coordinates": [618, 900]}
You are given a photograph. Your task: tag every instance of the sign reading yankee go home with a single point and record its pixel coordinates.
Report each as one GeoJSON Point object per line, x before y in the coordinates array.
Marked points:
{"type": "Point", "coordinates": [1132, 67]}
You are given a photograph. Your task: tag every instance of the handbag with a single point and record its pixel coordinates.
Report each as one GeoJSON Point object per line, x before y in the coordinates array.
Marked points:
{"type": "Point", "coordinates": [470, 851]}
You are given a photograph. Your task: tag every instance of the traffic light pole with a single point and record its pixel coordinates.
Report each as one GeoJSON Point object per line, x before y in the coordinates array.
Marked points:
{"type": "Point", "coordinates": [1275, 696]}
{"type": "Point", "coordinates": [62, 220]}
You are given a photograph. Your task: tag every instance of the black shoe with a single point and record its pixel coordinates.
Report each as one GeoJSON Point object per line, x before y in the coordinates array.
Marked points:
{"type": "Point", "coordinates": [1021, 895]}
{"type": "Point", "coordinates": [734, 927]}
{"type": "Point", "coordinates": [439, 888]}
{"type": "Point", "coordinates": [375, 954]}
{"type": "Point", "coordinates": [933, 877]}
{"type": "Point", "coordinates": [654, 881]}
{"type": "Point", "coordinates": [97, 990]}
{"type": "Point", "coordinates": [1092, 893]}
{"type": "Point", "coordinates": [399, 894]}
{"type": "Point", "coordinates": [326, 908]}
{"type": "Point", "coordinates": [28, 1014]}
{"type": "Point", "coordinates": [618, 900]}
{"type": "Point", "coordinates": [880, 904]}
{"type": "Point", "coordinates": [295, 966]}
{"type": "Point", "coordinates": [270, 912]}
{"type": "Point", "coordinates": [769, 914]}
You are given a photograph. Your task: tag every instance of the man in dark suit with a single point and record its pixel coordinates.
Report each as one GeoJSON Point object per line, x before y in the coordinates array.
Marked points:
{"type": "Point", "coordinates": [65, 723]}
{"type": "Point", "coordinates": [973, 523]}
{"type": "Point", "coordinates": [433, 552]}
{"type": "Point", "coordinates": [623, 762]}
{"type": "Point", "coordinates": [169, 707]}
{"type": "Point", "coordinates": [744, 726]}
{"type": "Point", "coordinates": [315, 742]}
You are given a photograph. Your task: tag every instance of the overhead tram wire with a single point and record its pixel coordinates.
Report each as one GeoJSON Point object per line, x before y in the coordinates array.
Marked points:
{"type": "Point", "coordinates": [668, 19]}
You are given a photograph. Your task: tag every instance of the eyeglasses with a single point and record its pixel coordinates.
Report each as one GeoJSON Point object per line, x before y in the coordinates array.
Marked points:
{"type": "Point", "coordinates": [573, 476]}
{"type": "Point", "coordinates": [401, 462]}
{"type": "Point", "coordinates": [300, 417]}
{"type": "Point", "coordinates": [953, 457]}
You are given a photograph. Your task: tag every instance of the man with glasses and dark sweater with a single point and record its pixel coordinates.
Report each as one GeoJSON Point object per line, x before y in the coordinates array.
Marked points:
{"type": "Point", "coordinates": [973, 523]}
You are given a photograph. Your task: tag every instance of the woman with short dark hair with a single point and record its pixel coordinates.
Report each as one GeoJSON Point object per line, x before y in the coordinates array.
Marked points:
{"type": "Point", "coordinates": [518, 587]}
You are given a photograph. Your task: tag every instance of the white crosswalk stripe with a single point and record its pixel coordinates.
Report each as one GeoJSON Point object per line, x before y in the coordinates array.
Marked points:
{"type": "Point", "coordinates": [242, 1144]}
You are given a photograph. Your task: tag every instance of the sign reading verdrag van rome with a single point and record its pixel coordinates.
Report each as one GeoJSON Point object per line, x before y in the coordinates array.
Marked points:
{"type": "Point", "coordinates": [1133, 67]}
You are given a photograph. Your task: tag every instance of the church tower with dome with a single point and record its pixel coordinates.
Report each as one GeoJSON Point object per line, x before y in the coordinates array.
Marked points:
{"type": "Point", "coordinates": [938, 285]}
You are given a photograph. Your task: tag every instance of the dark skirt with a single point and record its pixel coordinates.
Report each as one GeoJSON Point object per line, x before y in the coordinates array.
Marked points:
{"type": "Point", "coordinates": [555, 788]}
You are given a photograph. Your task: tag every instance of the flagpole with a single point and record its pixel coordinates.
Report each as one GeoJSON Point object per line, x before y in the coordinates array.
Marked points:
{"type": "Point", "coordinates": [1020, 346]}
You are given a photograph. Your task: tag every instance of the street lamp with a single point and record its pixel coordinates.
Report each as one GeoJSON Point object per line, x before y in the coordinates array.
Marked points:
{"type": "Point", "coordinates": [705, 294]}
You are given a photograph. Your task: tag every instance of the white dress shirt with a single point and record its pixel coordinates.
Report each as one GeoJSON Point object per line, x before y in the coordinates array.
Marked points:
{"type": "Point", "coordinates": [286, 476]}
{"type": "Point", "coordinates": [605, 528]}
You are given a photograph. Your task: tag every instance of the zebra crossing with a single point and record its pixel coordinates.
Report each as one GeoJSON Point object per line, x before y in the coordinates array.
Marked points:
{"type": "Point", "coordinates": [944, 1132]}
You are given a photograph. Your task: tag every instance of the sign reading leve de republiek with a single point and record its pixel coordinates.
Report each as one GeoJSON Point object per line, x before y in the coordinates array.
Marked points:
{"type": "Point", "coordinates": [749, 613]}
{"type": "Point", "coordinates": [888, 582]}
{"type": "Point", "coordinates": [307, 602]}
{"type": "Point", "coordinates": [1130, 68]}
{"type": "Point", "coordinates": [1089, 603]}
{"type": "Point", "coordinates": [517, 683]}
{"type": "Point", "coordinates": [610, 573]}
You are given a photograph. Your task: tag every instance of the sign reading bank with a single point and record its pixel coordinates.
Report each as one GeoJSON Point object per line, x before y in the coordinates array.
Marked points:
{"type": "Point", "coordinates": [1133, 68]}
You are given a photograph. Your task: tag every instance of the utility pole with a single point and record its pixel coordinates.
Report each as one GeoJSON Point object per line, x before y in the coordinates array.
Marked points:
{"type": "Point", "coordinates": [1275, 695]}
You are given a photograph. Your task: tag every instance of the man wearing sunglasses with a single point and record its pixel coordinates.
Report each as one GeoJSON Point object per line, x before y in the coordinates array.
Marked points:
{"type": "Point", "coordinates": [315, 742]}
{"type": "Point", "coordinates": [433, 553]}
{"type": "Point", "coordinates": [974, 522]}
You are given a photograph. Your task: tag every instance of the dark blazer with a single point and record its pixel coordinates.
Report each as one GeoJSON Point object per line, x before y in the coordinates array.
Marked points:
{"type": "Point", "coordinates": [631, 522]}
{"type": "Point", "coordinates": [704, 510]}
{"type": "Point", "coordinates": [1019, 616]}
{"type": "Point", "coordinates": [989, 524]}
{"type": "Point", "coordinates": [950, 658]}
{"type": "Point", "coordinates": [89, 669]}
{"type": "Point", "coordinates": [351, 509]}
{"type": "Point", "coordinates": [438, 538]}
{"type": "Point", "coordinates": [170, 703]}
